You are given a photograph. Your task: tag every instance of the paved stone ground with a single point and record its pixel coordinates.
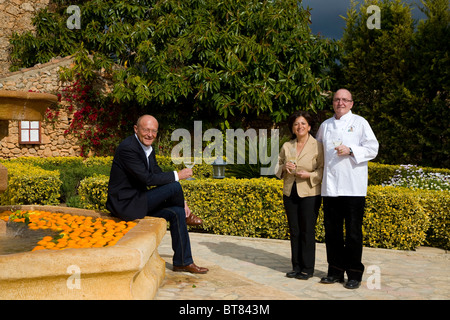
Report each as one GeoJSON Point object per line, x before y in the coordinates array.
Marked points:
{"type": "Point", "coordinates": [254, 269]}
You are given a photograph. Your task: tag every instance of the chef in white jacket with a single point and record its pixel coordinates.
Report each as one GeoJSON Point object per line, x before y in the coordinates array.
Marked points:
{"type": "Point", "coordinates": [349, 143]}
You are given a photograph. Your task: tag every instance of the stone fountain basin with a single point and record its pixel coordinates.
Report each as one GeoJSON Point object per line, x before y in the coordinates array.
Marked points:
{"type": "Point", "coordinates": [23, 105]}
{"type": "Point", "coordinates": [131, 269]}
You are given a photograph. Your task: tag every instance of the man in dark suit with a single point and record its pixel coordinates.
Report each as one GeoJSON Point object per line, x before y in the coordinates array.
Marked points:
{"type": "Point", "coordinates": [138, 187]}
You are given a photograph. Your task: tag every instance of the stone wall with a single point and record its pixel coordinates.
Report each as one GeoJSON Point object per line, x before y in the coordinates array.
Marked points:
{"type": "Point", "coordinates": [15, 15]}
{"type": "Point", "coordinates": [41, 78]}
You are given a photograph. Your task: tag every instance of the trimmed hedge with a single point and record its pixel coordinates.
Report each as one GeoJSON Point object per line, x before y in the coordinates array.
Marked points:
{"type": "Point", "coordinates": [38, 161]}
{"type": "Point", "coordinates": [239, 207]}
{"type": "Point", "coordinates": [395, 218]}
{"type": "Point", "coordinates": [71, 171]}
{"type": "Point", "coordinates": [93, 192]}
{"type": "Point", "coordinates": [200, 171]}
{"type": "Point", "coordinates": [29, 184]}
{"type": "Point", "coordinates": [437, 205]}
{"type": "Point", "coordinates": [378, 173]}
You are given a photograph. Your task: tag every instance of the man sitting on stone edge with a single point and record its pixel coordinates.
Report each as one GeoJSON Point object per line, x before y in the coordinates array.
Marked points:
{"type": "Point", "coordinates": [134, 170]}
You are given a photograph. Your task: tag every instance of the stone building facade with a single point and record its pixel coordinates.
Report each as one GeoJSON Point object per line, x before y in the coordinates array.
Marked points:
{"type": "Point", "coordinates": [16, 15]}
{"type": "Point", "coordinates": [52, 141]}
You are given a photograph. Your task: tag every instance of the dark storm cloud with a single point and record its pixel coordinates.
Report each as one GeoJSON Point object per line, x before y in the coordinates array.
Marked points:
{"type": "Point", "coordinates": [325, 16]}
{"type": "Point", "coordinates": [326, 20]}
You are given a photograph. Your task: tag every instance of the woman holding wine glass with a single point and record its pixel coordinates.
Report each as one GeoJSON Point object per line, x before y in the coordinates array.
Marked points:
{"type": "Point", "coordinates": [300, 165]}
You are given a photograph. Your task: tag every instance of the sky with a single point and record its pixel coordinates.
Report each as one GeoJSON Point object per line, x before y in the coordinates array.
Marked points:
{"type": "Point", "coordinates": [326, 20]}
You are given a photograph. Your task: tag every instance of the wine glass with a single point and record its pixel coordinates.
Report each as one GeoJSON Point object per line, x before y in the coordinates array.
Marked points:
{"type": "Point", "coordinates": [188, 163]}
{"type": "Point", "coordinates": [337, 141]}
{"type": "Point", "coordinates": [292, 157]}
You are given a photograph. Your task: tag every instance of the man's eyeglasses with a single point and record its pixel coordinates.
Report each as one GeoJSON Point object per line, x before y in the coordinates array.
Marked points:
{"type": "Point", "coordinates": [342, 99]}
{"type": "Point", "coordinates": [147, 131]}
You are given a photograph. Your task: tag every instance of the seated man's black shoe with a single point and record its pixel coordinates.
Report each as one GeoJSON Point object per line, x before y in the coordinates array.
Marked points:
{"type": "Point", "coordinates": [303, 276]}
{"type": "Point", "coordinates": [332, 279]}
{"type": "Point", "coordinates": [352, 284]}
{"type": "Point", "coordinates": [292, 274]}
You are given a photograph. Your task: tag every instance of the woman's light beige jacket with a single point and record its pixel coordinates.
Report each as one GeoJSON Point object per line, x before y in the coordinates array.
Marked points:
{"type": "Point", "coordinates": [310, 159]}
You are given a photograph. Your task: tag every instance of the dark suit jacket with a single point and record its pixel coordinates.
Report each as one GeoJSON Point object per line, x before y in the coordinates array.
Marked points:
{"type": "Point", "coordinates": [130, 178]}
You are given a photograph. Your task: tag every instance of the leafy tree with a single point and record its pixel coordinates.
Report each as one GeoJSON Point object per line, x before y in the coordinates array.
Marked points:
{"type": "Point", "coordinates": [191, 59]}
{"type": "Point", "coordinates": [430, 81]}
{"type": "Point", "coordinates": [390, 73]}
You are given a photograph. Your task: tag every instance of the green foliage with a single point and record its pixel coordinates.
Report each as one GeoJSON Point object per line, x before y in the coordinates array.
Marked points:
{"type": "Point", "coordinates": [94, 192]}
{"type": "Point", "coordinates": [51, 39]}
{"type": "Point", "coordinates": [240, 207]}
{"type": "Point", "coordinates": [242, 57]}
{"type": "Point", "coordinates": [97, 119]}
{"type": "Point", "coordinates": [394, 219]}
{"type": "Point", "coordinates": [30, 185]}
{"type": "Point", "coordinates": [200, 170]}
{"type": "Point", "coordinates": [398, 218]}
{"type": "Point", "coordinates": [437, 205]}
{"type": "Point", "coordinates": [379, 173]}
{"type": "Point", "coordinates": [399, 78]}
{"type": "Point", "coordinates": [70, 170]}
{"type": "Point", "coordinates": [247, 169]}
{"type": "Point", "coordinates": [196, 58]}
{"type": "Point", "coordinates": [430, 82]}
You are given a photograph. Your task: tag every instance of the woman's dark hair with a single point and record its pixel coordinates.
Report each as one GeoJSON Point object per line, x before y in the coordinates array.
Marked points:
{"type": "Point", "coordinates": [294, 116]}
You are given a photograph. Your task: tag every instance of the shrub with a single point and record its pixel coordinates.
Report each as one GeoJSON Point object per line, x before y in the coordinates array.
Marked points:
{"type": "Point", "coordinates": [378, 173]}
{"type": "Point", "coordinates": [200, 170]}
{"type": "Point", "coordinates": [72, 170]}
{"type": "Point", "coordinates": [30, 185]}
{"type": "Point", "coordinates": [48, 161]}
{"type": "Point", "coordinates": [437, 206]}
{"type": "Point", "coordinates": [394, 219]}
{"type": "Point", "coordinates": [398, 218]}
{"type": "Point", "coordinates": [98, 161]}
{"type": "Point", "coordinates": [93, 192]}
{"type": "Point", "coordinates": [239, 207]}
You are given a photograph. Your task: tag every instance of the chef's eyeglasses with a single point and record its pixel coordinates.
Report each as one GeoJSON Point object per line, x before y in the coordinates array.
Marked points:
{"type": "Point", "coordinates": [342, 99]}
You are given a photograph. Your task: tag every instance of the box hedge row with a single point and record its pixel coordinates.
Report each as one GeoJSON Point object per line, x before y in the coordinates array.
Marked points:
{"type": "Point", "coordinates": [31, 184]}
{"type": "Point", "coordinates": [378, 173]}
{"type": "Point", "coordinates": [396, 218]}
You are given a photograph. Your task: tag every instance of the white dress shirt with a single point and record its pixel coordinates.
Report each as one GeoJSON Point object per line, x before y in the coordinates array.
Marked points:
{"type": "Point", "coordinates": [148, 150]}
{"type": "Point", "coordinates": [347, 175]}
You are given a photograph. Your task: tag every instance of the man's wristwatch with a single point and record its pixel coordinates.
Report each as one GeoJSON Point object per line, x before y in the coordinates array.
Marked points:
{"type": "Point", "coordinates": [351, 152]}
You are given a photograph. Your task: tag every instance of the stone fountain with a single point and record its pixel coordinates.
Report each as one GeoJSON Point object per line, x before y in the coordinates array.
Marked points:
{"type": "Point", "coordinates": [131, 269]}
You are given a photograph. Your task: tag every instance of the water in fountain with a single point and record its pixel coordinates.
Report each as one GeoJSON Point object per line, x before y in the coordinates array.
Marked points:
{"type": "Point", "coordinates": [19, 238]}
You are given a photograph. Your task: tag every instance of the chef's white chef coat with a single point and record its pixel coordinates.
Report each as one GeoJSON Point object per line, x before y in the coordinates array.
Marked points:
{"type": "Point", "coordinates": [347, 175]}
